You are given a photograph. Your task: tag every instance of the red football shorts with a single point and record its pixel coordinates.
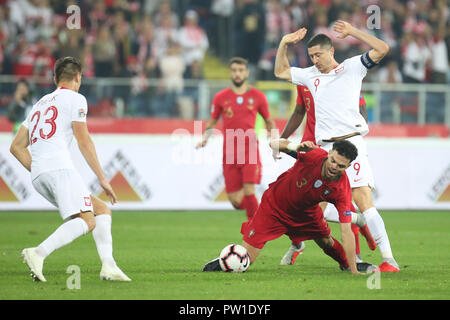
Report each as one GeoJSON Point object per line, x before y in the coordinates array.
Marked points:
{"type": "Point", "coordinates": [237, 174]}
{"type": "Point", "coordinates": [266, 225]}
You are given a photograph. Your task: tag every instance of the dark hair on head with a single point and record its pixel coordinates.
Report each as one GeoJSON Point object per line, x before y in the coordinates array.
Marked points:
{"type": "Point", "coordinates": [238, 60]}
{"type": "Point", "coordinates": [66, 69]}
{"type": "Point", "coordinates": [321, 40]}
{"type": "Point", "coordinates": [346, 149]}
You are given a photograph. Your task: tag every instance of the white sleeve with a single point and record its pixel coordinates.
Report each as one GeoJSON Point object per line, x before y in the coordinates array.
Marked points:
{"type": "Point", "coordinates": [79, 109]}
{"type": "Point", "coordinates": [356, 65]}
{"type": "Point", "coordinates": [298, 75]}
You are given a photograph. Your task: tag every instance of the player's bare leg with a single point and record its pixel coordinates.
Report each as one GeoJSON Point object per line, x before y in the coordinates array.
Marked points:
{"type": "Point", "coordinates": [363, 199]}
{"type": "Point", "coordinates": [253, 252]}
{"type": "Point", "coordinates": [74, 227]}
{"type": "Point", "coordinates": [103, 241]}
{"type": "Point", "coordinates": [236, 198]}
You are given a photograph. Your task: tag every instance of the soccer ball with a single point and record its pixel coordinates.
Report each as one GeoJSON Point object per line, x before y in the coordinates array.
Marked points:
{"type": "Point", "coordinates": [234, 258]}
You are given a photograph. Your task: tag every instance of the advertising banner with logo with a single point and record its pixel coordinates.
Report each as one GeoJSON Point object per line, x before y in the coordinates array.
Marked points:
{"type": "Point", "coordinates": [166, 172]}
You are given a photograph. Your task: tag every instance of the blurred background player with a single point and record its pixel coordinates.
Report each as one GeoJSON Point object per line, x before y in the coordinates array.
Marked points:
{"type": "Point", "coordinates": [21, 105]}
{"type": "Point", "coordinates": [49, 129]}
{"type": "Point", "coordinates": [305, 106]}
{"type": "Point", "coordinates": [291, 204]}
{"type": "Point", "coordinates": [336, 89]}
{"type": "Point", "coordinates": [238, 106]}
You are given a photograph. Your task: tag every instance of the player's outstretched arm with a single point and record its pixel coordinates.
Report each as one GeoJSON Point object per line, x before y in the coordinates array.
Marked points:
{"type": "Point", "coordinates": [348, 243]}
{"type": "Point", "coordinates": [287, 146]}
{"type": "Point", "coordinates": [282, 67]}
{"type": "Point", "coordinates": [211, 124]}
{"type": "Point", "coordinates": [379, 47]}
{"type": "Point", "coordinates": [87, 148]}
{"type": "Point", "coordinates": [19, 147]}
{"type": "Point", "coordinates": [294, 121]}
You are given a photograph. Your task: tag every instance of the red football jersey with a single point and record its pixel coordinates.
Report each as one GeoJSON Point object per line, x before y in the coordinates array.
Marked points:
{"type": "Point", "coordinates": [302, 187]}
{"type": "Point", "coordinates": [239, 116]}
{"type": "Point", "coordinates": [304, 98]}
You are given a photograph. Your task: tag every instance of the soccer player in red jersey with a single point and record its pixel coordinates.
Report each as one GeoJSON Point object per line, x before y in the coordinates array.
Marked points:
{"type": "Point", "coordinates": [291, 204]}
{"type": "Point", "coordinates": [238, 107]}
{"type": "Point", "coordinates": [305, 105]}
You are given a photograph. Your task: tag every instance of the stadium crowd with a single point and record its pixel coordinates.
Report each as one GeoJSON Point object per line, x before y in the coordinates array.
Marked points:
{"type": "Point", "coordinates": [169, 39]}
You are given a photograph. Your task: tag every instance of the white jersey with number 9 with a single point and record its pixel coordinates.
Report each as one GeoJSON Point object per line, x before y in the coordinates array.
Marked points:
{"type": "Point", "coordinates": [49, 125]}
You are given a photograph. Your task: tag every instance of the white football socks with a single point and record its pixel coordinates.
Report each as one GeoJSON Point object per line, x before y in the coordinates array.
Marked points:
{"type": "Point", "coordinates": [378, 231]}
{"type": "Point", "coordinates": [331, 214]}
{"type": "Point", "coordinates": [65, 234]}
{"type": "Point", "coordinates": [103, 238]}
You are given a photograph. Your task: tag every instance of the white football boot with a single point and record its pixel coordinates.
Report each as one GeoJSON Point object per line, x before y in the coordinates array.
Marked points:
{"type": "Point", "coordinates": [110, 271]}
{"type": "Point", "coordinates": [34, 262]}
{"type": "Point", "coordinates": [292, 254]}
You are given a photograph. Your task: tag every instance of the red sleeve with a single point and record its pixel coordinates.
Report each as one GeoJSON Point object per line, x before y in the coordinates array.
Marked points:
{"type": "Point", "coordinates": [343, 203]}
{"type": "Point", "coordinates": [362, 101]}
{"type": "Point", "coordinates": [263, 107]}
{"type": "Point", "coordinates": [300, 96]}
{"type": "Point", "coordinates": [315, 155]}
{"type": "Point", "coordinates": [216, 107]}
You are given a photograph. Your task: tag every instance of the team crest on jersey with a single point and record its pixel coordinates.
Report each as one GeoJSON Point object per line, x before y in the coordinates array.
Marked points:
{"type": "Point", "coordinates": [318, 184]}
{"type": "Point", "coordinates": [81, 113]}
{"type": "Point", "coordinates": [87, 201]}
{"type": "Point", "coordinates": [326, 192]}
{"type": "Point", "coordinates": [339, 69]}
{"type": "Point", "coordinates": [239, 100]}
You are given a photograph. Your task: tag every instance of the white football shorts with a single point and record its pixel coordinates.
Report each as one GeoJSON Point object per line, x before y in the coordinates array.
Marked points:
{"type": "Point", "coordinates": [359, 173]}
{"type": "Point", "coordinates": [65, 190]}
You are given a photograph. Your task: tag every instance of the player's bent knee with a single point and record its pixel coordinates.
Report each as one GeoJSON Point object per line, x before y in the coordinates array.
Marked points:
{"type": "Point", "coordinates": [100, 207]}
{"type": "Point", "coordinates": [89, 218]}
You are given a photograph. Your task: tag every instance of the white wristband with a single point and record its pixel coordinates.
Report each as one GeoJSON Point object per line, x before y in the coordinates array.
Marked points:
{"type": "Point", "coordinates": [292, 146]}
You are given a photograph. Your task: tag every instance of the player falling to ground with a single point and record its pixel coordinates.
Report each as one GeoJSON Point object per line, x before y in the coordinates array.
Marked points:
{"type": "Point", "coordinates": [49, 129]}
{"type": "Point", "coordinates": [336, 88]}
{"type": "Point", "coordinates": [238, 106]}
{"type": "Point", "coordinates": [291, 204]}
{"type": "Point", "coordinates": [305, 106]}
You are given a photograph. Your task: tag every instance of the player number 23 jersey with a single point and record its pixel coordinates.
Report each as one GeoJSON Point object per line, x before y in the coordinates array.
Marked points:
{"type": "Point", "coordinates": [49, 125]}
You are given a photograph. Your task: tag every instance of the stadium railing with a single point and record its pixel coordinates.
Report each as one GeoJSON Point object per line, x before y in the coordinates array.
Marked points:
{"type": "Point", "coordinates": [418, 104]}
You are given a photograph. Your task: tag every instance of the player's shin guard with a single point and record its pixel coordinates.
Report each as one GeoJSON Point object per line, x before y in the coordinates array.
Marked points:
{"type": "Point", "coordinates": [103, 237]}
{"type": "Point", "coordinates": [378, 231]}
{"type": "Point", "coordinates": [65, 234]}
{"type": "Point", "coordinates": [337, 253]}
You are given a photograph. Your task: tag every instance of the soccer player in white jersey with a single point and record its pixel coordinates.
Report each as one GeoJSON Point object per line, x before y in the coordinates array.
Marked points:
{"type": "Point", "coordinates": [336, 89]}
{"type": "Point", "coordinates": [48, 132]}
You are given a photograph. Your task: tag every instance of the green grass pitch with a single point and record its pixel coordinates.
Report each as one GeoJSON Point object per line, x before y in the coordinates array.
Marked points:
{"type": "Point", "coordinates": [163, 252]}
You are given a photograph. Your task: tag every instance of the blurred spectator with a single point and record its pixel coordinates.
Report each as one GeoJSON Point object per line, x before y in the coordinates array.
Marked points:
{"type": "Point", "coordinates": [278, 23]}
{"type": "Point", "coordinates": [146, 49]}
{"type": "Point", "coordinates": [439, 53]}
{"type": "Point", "coordinates": [104, 51]}
{"type": "Point", "coordinates": [165, 33]}
{"type": "Point", "coordinates": [389, 101]}
{"type": "Point", "coordinates": [250, 32]}
{"type": "Point", "coordinates": [416, 57]}
{"type": "Point", "coordinates": [165, 13]}
{"type": "Point", "coordinates": [194, 44]}
{"type": "Point", "coordinates": [23, 58]}
{"type": "Point", "coordinates": [21, 104]}
{"type": "Point", "coordinates": [221, 33]}
{"type": "Point", "coordinates": [172, 67]}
